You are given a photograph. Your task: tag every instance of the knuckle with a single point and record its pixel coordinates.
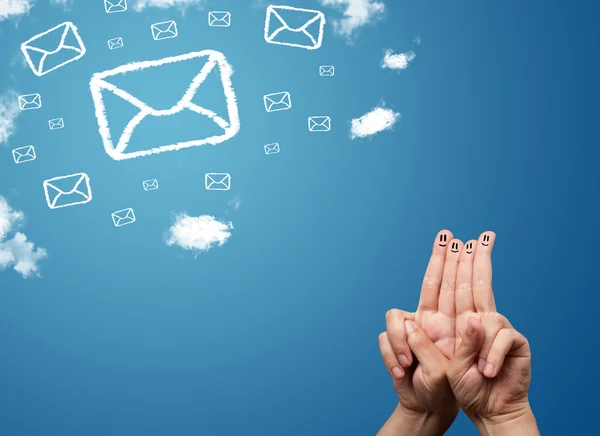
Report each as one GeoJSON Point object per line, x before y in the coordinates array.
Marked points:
{"type": "Point", "coordinates": [430, 283]}
{"type": "Point", "coordinates": [447, 286]}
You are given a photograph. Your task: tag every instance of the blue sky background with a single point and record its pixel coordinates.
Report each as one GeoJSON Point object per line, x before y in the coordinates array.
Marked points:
{"type": "Point", "coordinates": [276, 331]}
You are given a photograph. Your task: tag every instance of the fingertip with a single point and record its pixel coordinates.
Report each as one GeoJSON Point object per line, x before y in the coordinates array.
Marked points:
{"type": "Point", "coordinates": [468, 250]}
{"type": "Point", "coordinates": [454, 248]}
{"type": "Point", "coordinates": [441, 240]}
{"type": "Point", "coordinates": [397, 372]}
{"type": "Point", "coordinates": [486, 241]}
{"type": "Point", "coordinates": [410, 326]}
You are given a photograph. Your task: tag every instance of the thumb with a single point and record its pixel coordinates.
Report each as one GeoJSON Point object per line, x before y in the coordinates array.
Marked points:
{"type": "Point", "coordinates": [431, 359]}
{"type": "Point", "coordinates": [468, 351]}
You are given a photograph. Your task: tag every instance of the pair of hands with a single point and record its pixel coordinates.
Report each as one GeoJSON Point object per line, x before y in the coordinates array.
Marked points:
{"type": "Point", "coordinates": [456, 351]}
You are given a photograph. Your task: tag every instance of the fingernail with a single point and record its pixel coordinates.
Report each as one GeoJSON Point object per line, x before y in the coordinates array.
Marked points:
{"type": "Point", "coordinates": [481, 365]}
{"type": "Point", "coordinates": [489, 370]}
{"type": "Point", "coordinates": [410, 326]}
{"type": "Point", "coordinates": [470, 327]}
{"type": "Point", "coordinates": [403, 360]}
{"type": "Point", "coordinates": [397, 372]}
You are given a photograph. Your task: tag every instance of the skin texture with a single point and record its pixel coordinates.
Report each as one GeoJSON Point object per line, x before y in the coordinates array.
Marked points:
{"type": "Point", "coordinates": [456, 350]}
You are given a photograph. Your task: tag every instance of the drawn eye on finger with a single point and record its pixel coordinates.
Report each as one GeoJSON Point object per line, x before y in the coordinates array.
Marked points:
{"type": "Point", "coordinates": [443, 240]}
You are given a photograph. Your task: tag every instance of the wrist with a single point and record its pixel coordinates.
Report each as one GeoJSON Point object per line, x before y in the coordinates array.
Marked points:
{"type": "Point", "coordinates": [520, 422]}
{"type": "Point", "coordinates": [410, 422]}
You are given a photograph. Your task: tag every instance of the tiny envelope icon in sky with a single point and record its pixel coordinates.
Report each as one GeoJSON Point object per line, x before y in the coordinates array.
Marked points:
{"type": "Point", "coordinates": [219, 19]}
{"type": "Point", "coordinates": [217, 181]}
{"type": "Point", "coordinates": [205, 62]}
{"type": "Point", "coordinates": [43, 54]}
{"type": "Point", "coordinates": [280, 30]}
{"type": "Point", "coordinates": [65, 191]}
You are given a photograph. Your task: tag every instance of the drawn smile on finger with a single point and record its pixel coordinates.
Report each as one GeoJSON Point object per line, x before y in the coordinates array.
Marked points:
{"type": "Point", "coordinates": [469, 248]}
{"type": "Point", "coordinates": [443, 239]}
{"type": "Point", "coordinates": [454, 247]}
{"type": "Point", "coordinates": [486, 238]}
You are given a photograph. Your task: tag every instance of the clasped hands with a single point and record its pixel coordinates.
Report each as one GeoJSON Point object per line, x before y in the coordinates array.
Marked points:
{"type": "Point", "coordinates": [456, 351]}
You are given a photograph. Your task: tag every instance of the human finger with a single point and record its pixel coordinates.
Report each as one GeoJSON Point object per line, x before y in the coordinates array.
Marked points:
{"type": "Point", "coordinates": [483, 295]}
{"type": "Point", "coordinates": [446, 303]}
{"type": "Point", "coordinates": [464, 279]}
{"type": "Point", "coordinates": [467, 352]}
{"type": "Point", "coordinates": [506, 340]}
{"type": "Point", "coordinates": [389, 358]}
{"type": "Point", "coordinates": [493, 323]}
{"type": "Point", "coordinates": [431, 359]}
{"type": "Point", "coordinates": [433, 275]}
{"type": "Point", "coordinates": [396, 332]}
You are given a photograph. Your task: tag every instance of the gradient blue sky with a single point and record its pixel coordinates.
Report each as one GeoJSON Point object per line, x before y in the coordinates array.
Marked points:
{"type": "Point", "coordinates": [276, 331]}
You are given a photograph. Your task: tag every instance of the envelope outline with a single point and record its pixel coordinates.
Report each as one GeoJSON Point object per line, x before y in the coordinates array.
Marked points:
{"type": "Point", "coordinates": [170, 31]}
{"type": "Point", "coordinates": [319, 123]}
{"type": "Point", "coordinates": [123, 217]}
{"type": "Point", "coordinates": [39, 71]}
{"type": "Point", "coordinates": [25, 103]}
{"type": "Point", "coordinates": [269, 36]}
{"type": "Point", "coordinates": [327, 70]}
{"type": "Point", "coordinates": [150, 185]}
{"type": "Point", "coordinates": [56, 123]}
{"type": "Point", "coordinates": [272, 148]}
{"type": "Point", "coordinates": [217, 181]}
{"type": "Point", "coordinates": [115, 43]}
{"type": "Point", "coordinates": [231, 128]}
{"type": "Point", "coordinates": [26, 155]}
{"type": "Point", "coordinates": [120, 6]}
{"type": "Point", "coordinates": [285, 99]}
{"type": "Point", "coordinates": [214, 20]}
{"type": "Point", "coordinates": [81, 177]}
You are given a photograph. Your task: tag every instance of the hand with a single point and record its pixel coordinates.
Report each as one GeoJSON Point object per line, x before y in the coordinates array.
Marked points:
{"type": "Point", "coordinates": [490, 371]}
{"type": "Point", "coordinates": [427, 405]}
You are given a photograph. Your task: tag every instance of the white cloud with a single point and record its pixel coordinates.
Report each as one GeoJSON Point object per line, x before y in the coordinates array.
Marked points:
{"type": "Point", "coordinates": [9, 111]}
{"type": "Point", "coordinates": [378, 120]}
{"type": "Point", "coordinates": [199, 233]}
{"type": "Point", "coordinates": [63, 3]}
{"type": "Point", "coordinates": [235, 203]}
{"type": "Point", "coordinates": [397, 61]}
{"type": "Point", "coordinates": [182, 5]}
{"type": "Point", "coordinates": [357, 13]}
{"type": "Point", "coordinates": [17, 252]}
{"type": "Point", "coordinates": [14, 8]}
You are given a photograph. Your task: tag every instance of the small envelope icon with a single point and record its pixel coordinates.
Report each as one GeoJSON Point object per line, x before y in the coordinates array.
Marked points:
{"type": "Point", "coordinates": [308, 35]}
{"type": "Point", "coordinates": [115, 43]}
{"type": "Point", "coordinates": [123, 217]}
{"type": "Point", "coordinates": [30, 101]}
{"type": "Point", "coordinates": [219, 19]}
{"type": "Point", "coordinates": [217, 181]}
{"type": "Point", "coordinates": [326, 70]}
{"type": "Point", "coordinates": [272, 148]}
{"type": "Point", "coordinates": [113, 6]}
{"type": "Point", "coordinates": [278, 101]}
{"type": "Point", "coordinates": [164, 30]}
{"type": "Point", "coordinates": [319, 124]}
{"type": "Point", "coordinates": [57, 123]}
{"type": "Point", "coordinates": [44, 54]}
{"type": "Point", "coordinates": [207, 62]}
{"type": "Point", "coordinates": [68, 191]}
{"type": "Point", "coordinates": [150, 185]}
{"type": "Point", "coordinates": [24, 154]}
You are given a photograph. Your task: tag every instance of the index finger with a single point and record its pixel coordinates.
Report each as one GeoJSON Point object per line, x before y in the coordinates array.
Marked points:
{"type": "Point", "coordinates": [430, 290]}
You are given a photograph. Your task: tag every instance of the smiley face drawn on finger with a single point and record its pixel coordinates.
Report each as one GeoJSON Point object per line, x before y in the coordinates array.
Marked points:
{"type": "Point", "coordinates": [443, 239]}
{"type": "Point", "coordinates": [469, 248]}
{"type": "Point", "coordinates": [486, 240]}
{"type": "Point", "coordinates": [454, 247]}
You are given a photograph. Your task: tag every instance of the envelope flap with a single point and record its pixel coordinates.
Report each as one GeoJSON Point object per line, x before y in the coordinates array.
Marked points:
{"type": "Point", "coordinates": [220, 15]}
{"type": "Point", "coordinates": [69, 185]}
{"type": "Point", "coordinates": [49, 41]}
{"type": "Point", "coordinates": [293, 19]}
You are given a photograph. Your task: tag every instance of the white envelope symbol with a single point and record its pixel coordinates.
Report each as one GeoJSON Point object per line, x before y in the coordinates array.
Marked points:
{"type": "Point", "coordinates": [44, 60]}
{"type": "Point", "coordinates": [24, 154]}
{"type": "Point", "coordinates": [150, 185]}
{"type": "Point", "coordinates": [123, 217]}
{"type": "Point", "coordinates": [272, 148]}
{"type": "Point", "coordinates": [113, 6]}
{"type": "Point", "coordinates": [207, 60]}
{"type": "Point", "coordinates": [68, 191]}
{"type": "Point", "coordinates": [219, 19]}
{"type": "Point", "coordinates": [115, 43]}
{"type": "Point", "coordinates": [319, 124]}
{"type": "Point", "coordinates": [326, 70]}
{"type": "Point", "coordinates": [217, 181]}
{"type": "Point", "coordinates": [30, 101]}
{"type": "Point", "coordinates": [57, 123]}
{"type": "Point", "coordinates": [278, 101]}
{"type": "Point", "coordinates": [164, 30]}
{"type": "Point", "coordinates": [278, 31]}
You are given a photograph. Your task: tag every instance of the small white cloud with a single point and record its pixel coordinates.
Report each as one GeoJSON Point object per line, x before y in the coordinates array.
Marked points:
{"type": "Point", "coordinates": [9, 111]}
{"type": "Point", "coordinates": [199, 233]}
{"type": "Point", "coordinates": [397, 61]}
{"type": "Point", "coordinates": [357, 13]}
{"type": "Point", "coordinates": [10, 9]}
{"type": "Point", "coordinates": [182, 5]}
{"type": "Point", "coordinates": [235, 203]}
{"type": "Point", "coordinates": [65, 4]}
{"type": "Point", "coordinates": [17, 252]}
{"type": "Point", "coordinates": [378, 120]}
